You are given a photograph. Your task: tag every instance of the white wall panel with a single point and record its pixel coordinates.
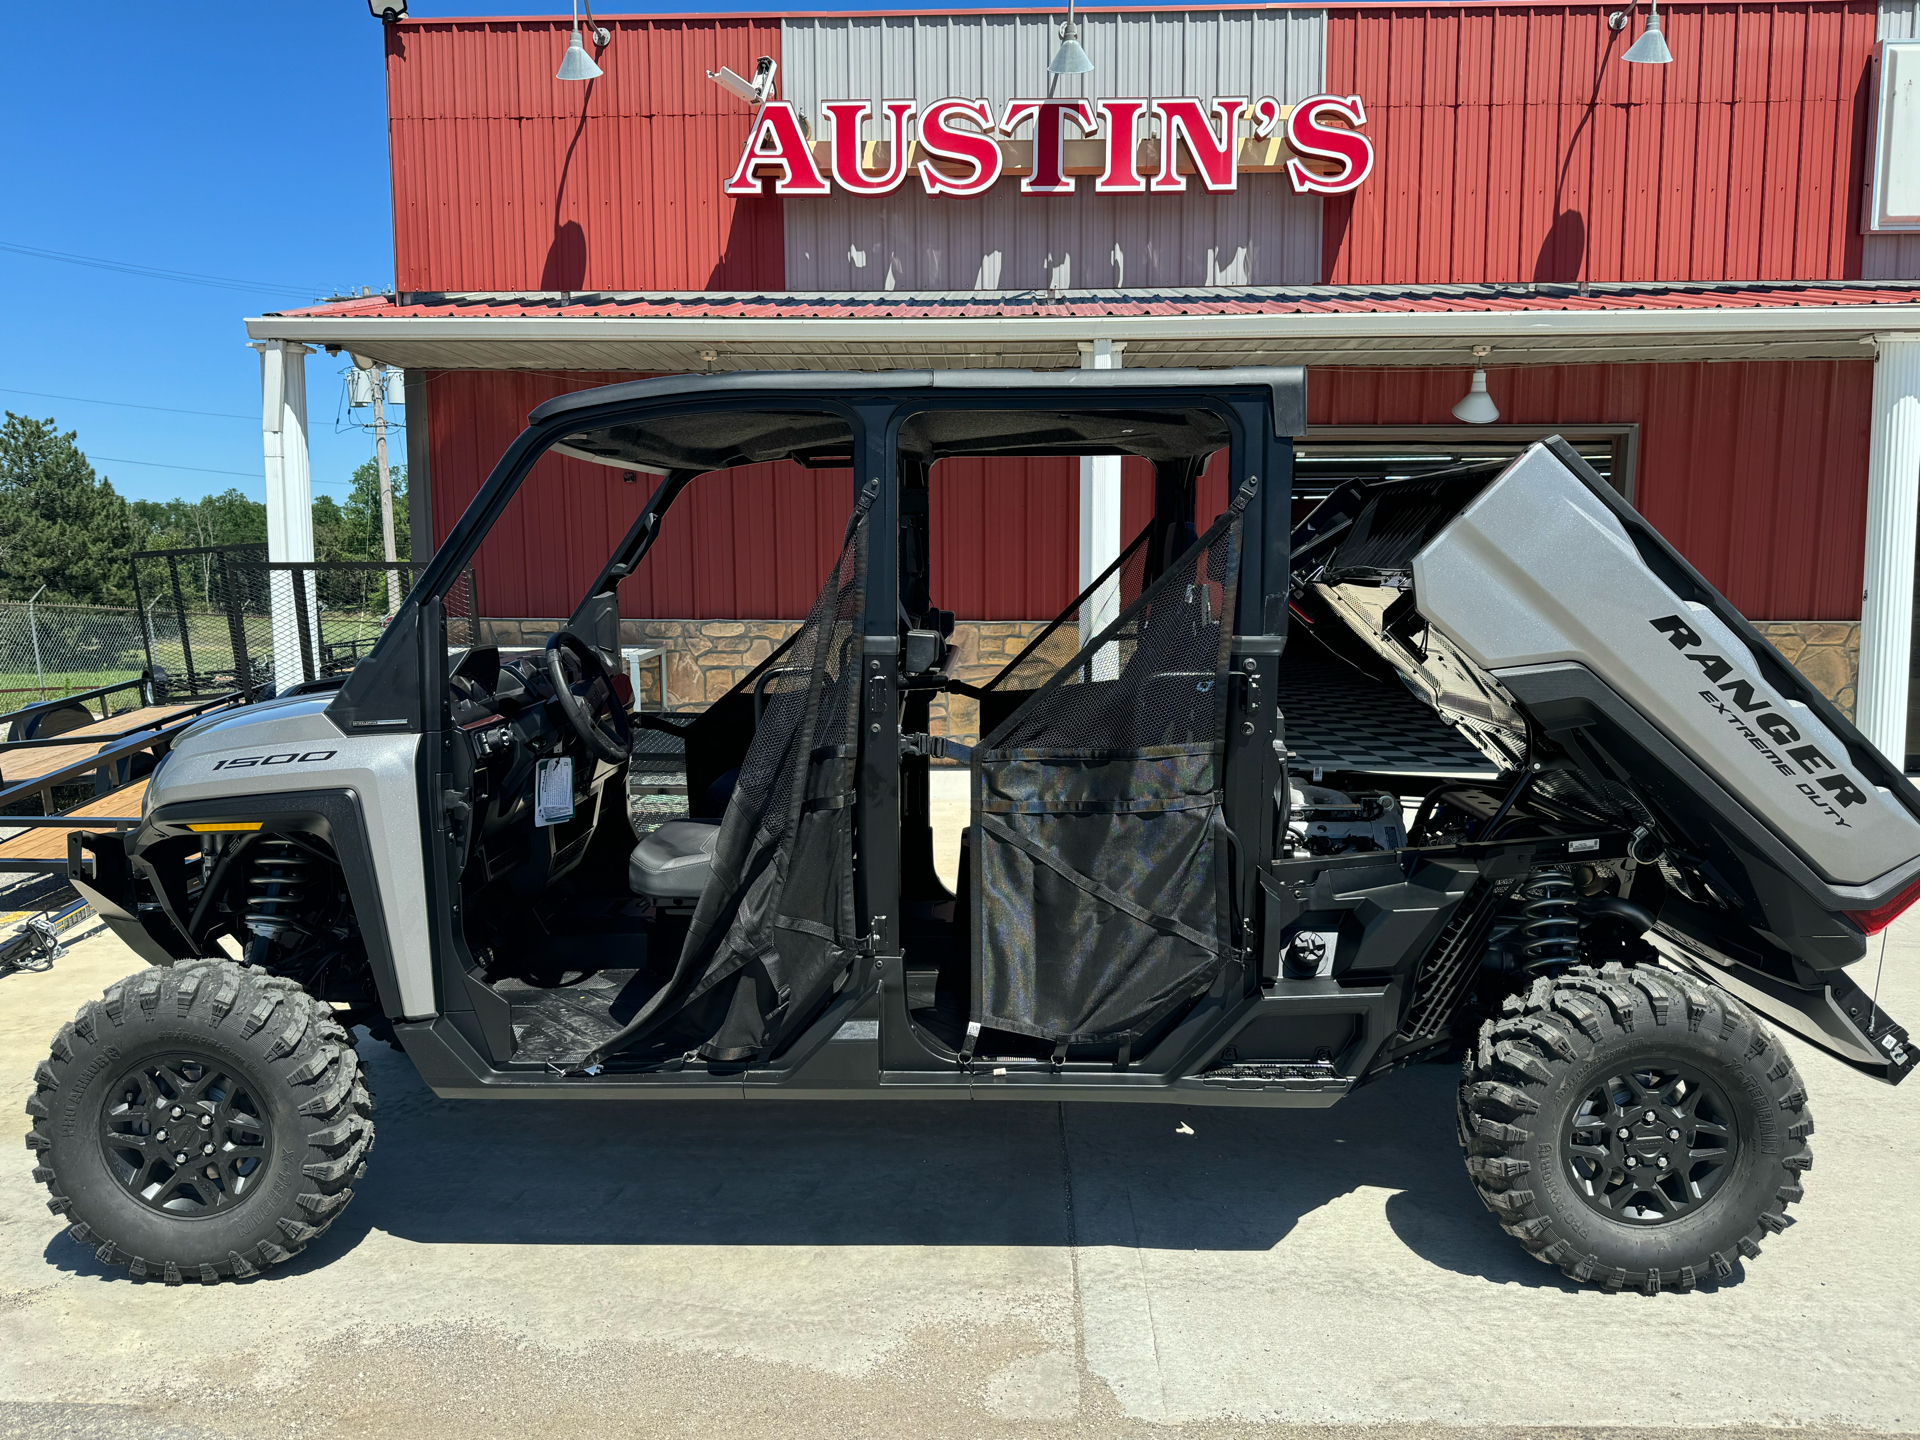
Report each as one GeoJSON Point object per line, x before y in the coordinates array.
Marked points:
{"type": "Point", "coordinates": [1883, 257]}
{"type": "Point", "coordinates": [1262, 234]}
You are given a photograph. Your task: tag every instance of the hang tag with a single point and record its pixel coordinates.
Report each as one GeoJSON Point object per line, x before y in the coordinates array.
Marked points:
{"type": "Point", "coordinates": [554, 791]}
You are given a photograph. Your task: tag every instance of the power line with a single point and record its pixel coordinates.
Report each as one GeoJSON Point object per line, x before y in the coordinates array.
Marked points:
{"type": "Point", "coordinates": [203, 470]}
{"type": "Point", "coordinates": [125, 404]}
{"type": "Point", "coordinates": [163, 465]}
{"type": "Point", "coordinates": [155, 272]}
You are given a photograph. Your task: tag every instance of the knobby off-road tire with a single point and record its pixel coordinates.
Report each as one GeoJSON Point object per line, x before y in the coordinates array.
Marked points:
{"type": "Point", "coordinates": [253, 1081]}
{"type": "Point", "coordinates": [1571, 1064]}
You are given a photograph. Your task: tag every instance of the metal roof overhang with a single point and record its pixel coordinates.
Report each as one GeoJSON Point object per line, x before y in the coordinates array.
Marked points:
{"type": "Point", "coordinates": [1048, 342]}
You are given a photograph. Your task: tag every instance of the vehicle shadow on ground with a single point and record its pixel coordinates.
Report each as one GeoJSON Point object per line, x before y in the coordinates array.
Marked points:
{"type": "Point", "coordinates": [884, 1173]}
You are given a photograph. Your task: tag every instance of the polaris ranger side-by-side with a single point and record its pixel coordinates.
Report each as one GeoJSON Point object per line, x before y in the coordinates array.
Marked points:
{"type": "Point", "coordinates": [1660, 836]}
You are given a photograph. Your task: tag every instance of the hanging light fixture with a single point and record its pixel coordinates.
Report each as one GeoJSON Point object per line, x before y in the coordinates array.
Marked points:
{"type": "Point", "coordinates": [1651, 48]}
{"type": "Point", "coordinates": [576, 64]}
{"type": "Point", "coordinates": [1070, 59]}
{"type": "Point", "coordinates": [1477, 407]}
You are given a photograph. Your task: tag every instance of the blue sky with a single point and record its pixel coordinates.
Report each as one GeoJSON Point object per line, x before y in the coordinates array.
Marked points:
{"type": "Point", "coordinates": [246, 143]}
{"type": "Point", "coordinates": [240, 143]}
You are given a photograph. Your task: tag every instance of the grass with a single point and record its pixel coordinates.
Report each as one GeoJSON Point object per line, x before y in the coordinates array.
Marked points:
{"type": "Point", "coordinates": [17, 690]}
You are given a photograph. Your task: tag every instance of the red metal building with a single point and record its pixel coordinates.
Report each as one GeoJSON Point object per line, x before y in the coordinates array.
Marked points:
{"type": "Point", "coordinates": [1695, 269]}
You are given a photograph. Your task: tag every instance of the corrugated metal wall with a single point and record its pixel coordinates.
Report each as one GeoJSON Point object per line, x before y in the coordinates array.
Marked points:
{"type": "Point", "coordinates": [1005, 534]}
{"type": "Point", "coordinates": [507, 179]}
{"type": "Point", "coordinates": [1003, 537]}
{"type": "Point", "coordinates": [754, 543]}
{"type": "Point", "coordinates": [1261, 234]}
{"type": "Point", "coordinates": [1513, 144]}
{"type": "Point", "coordinates": [1757, 472]}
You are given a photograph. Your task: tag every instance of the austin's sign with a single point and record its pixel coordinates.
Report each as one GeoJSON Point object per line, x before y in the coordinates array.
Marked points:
{"type": "Point", "coordinates": [960, 147]}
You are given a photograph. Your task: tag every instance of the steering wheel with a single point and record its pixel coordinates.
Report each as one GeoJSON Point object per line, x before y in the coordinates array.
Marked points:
{"type": "Point", "coordinates": [585, 689]}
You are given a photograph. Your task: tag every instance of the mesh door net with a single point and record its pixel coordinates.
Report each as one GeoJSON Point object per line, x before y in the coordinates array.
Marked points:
{"type": "Point", "coordinates": [774, 929]}
{"type": "Point", "coordinates": [1102, 874]}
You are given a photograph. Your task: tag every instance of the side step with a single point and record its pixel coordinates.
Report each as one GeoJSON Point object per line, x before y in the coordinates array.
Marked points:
{"type": "Point", "coordinates": [1311, 1077]}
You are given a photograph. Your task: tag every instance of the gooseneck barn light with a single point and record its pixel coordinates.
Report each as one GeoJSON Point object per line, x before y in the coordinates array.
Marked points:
{"type": "Point", "coordinates": [1652, 47]}
{"type": "Point", "coordinates": [576, 64]}
{"type": "Point", "coordinates": [1070, 59]}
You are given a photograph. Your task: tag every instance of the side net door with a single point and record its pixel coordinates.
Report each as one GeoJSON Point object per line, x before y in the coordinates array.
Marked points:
{"type": "Point", "coordinates": [774, 930]}
{"type": "Point", "coordinates": [1102, 866]}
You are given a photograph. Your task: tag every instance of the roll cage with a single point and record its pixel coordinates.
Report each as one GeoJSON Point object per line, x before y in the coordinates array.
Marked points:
{"type": "Point", "coordinates": [890, 432]}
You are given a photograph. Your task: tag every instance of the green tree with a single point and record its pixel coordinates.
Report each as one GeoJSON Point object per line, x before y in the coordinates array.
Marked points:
{"type": "Point", "coordinates": [60, 525]}
{"type": "Point", "coordinates": [229, 518]}
{"type": "Point", "coordinates": [350, 530]}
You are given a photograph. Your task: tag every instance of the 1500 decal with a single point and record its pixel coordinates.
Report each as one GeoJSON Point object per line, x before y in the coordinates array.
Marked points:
{"type": "Point", "coordinates": [1753, 712]}
{"type": "Point", "coordinates": [283, 758]}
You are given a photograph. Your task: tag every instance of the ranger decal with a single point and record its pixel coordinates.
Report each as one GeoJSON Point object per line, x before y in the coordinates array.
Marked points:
{"type": "Point", "coordinates": [1751, 711]}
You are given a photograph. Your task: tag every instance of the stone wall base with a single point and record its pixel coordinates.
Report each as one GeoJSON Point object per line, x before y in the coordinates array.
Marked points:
{"type": "Point", "coordinates": [1827, 652]}
{"type": "Point", "coordinates": [706, 658]}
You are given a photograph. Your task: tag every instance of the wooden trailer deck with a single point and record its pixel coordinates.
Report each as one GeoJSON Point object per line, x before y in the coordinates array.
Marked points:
{"type": "Point", "coordinates": [43, 846]}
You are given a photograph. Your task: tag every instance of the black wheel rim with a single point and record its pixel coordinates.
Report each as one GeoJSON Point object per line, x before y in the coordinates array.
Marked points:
{"type": "Point", "coordinates": [186, 1135]}
{"type": "Point", "coordinates": [1650, 1145]}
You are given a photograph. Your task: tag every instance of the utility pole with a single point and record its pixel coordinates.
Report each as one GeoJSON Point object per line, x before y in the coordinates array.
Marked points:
{"type": "Point", "coordinates": [379, 378]}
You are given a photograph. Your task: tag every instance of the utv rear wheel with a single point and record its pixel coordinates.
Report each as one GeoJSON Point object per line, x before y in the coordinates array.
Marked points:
{"type": "Point", "coordinates": [1634, 1126]}
{"type": "Point", "coordinates": [200, 1122]}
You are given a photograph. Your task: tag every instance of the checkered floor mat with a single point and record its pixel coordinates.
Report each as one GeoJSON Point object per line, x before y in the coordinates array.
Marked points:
{"type": "Point", "coordinates": [656, 781]}
{"type": "Point", "coordinates": [1340, 719]}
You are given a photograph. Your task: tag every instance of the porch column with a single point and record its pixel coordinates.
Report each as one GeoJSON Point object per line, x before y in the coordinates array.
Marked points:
{"type": "Point", "coordinates": [1100, 516]}
{"type": "Point", "coordinates": [1887, 594]}
{"type": "Point", "coordinates": [283, 438]}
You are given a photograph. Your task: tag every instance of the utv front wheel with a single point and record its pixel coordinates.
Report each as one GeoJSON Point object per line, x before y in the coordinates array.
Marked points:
{"type": "Point", "coordinates": [200, 1122]}
{"type": "Point", "coordinates": [1634, 1127]}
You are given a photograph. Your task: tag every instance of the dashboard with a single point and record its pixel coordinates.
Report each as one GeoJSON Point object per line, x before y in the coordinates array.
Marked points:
{"type": "Point", "coordinates": [506, 720]}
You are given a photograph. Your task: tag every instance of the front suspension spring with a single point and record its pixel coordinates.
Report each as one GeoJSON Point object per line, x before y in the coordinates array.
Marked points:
{"type": "Point", "coordinates": [279, 891]}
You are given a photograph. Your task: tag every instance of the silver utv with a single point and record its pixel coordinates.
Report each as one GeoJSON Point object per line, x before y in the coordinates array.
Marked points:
{"type": "Point", "coordinates": [1199, 865]}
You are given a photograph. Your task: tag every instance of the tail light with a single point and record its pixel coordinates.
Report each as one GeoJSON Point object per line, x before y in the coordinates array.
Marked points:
{"type": "Point", "coordinates": [1881, 917]}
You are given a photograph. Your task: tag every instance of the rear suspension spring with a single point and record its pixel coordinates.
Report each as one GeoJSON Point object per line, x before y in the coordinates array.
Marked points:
{"type": "Point", "coordinates": [1550, 925]}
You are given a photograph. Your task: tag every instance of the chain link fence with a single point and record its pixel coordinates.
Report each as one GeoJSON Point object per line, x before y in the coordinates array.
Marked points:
{"type": "Point", "coordinates": [214, 620]}
{"type": "Point", "coordinates": [53, 650]}
{"type": "Point", "coordinates": [225, 618]}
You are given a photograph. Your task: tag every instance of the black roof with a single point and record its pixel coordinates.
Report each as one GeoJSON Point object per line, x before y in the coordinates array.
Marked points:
{"type": "Point", "coordinates": [1287, 383]}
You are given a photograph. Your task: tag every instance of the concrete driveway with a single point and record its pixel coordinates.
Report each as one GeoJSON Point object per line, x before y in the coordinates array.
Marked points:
{"type": "Point", "coordinates": [893, 1270]}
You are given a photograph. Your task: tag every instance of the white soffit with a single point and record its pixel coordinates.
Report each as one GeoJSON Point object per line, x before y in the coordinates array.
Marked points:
{"type": "Point", "coordinates": [1047, 342]}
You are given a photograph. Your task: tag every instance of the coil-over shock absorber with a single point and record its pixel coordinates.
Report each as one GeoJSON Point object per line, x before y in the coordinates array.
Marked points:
{"type": "Point", "coordinates": [279, 897]}
{"type": "Point", "coordinates": [1550, 926]}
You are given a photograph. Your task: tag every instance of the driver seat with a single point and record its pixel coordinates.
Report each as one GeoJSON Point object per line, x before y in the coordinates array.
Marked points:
{"type": "Point", "coordinates": [672, 864]}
